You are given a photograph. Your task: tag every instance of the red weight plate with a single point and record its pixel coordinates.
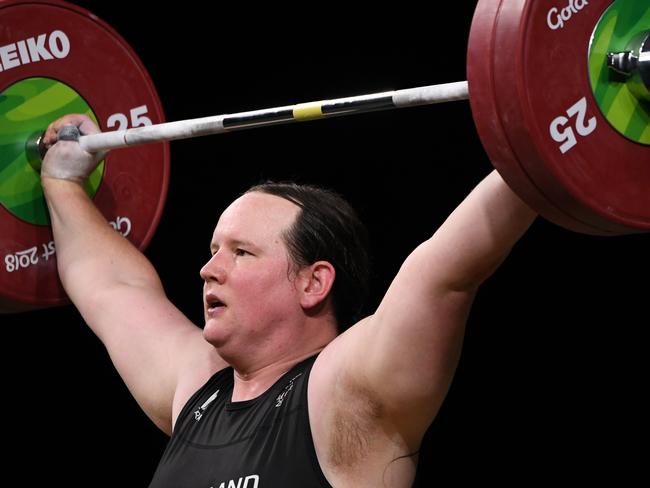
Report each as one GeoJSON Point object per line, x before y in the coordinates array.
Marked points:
{"type": "Point", "coordinates": [84, 59]}
{"type": "Point", "coordinates": [539, 129]}
{"type": "Point", "coordinates": [561, 155]}
{"type": "Point", "coordinates": [489, 124]}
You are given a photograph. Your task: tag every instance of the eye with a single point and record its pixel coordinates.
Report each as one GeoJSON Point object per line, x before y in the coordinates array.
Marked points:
{"type": "Point", "coordinates": [241, 252]}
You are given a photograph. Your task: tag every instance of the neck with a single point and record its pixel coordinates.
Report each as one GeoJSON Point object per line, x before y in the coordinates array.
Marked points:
{"type": "Point", "coordinates": [261, 353]}
{"type": "Point", "coordinates": [258, 365]}
{"type": "Point", "coordinates": [251, 384]}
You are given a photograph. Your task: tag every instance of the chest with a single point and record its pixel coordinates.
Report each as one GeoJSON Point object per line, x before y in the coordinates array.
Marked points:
{"type": "Point", "coordinates": [258, 443]}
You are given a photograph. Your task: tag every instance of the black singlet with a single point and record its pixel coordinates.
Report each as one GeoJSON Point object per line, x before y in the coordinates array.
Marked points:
{"type": "Point", "coordinates": [261, 443]}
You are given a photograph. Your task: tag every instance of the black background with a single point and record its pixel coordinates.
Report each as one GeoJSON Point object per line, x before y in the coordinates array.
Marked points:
{"type": "Point", "coordinates": [552, 383]}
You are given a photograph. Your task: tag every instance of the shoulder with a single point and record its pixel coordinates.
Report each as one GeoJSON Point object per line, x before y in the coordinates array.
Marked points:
{"type": "Point", "coordinates": [334, 362]}
{"type": "Point", "coordinates": [196, 373]}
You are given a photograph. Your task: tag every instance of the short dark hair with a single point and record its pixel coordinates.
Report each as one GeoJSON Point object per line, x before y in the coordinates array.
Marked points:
{"type": "Point", "coordinates": [327, 228]}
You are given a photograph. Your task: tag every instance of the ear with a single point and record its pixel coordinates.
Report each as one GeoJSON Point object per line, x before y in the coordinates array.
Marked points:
{"type": "Point", "coordinates": [315, 283]}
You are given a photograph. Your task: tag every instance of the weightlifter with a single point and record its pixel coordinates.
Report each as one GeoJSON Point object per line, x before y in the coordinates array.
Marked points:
{"type": "Point", "coordinates": [283, 386]}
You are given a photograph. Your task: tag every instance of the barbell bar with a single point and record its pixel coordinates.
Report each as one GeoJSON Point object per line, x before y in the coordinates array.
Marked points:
{"type": "Point", "coordinates": [217, 124]}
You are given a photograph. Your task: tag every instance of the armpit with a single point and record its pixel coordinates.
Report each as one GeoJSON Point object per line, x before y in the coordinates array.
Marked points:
{"type": "Point", "coordinates": [355, 428]}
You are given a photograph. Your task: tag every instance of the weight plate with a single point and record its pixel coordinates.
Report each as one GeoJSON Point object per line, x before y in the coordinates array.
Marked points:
{"type": "Point", "coordinates": [482, 91]}
{"type": "Point", "coordinates": [528, 64]}
{"type": "Point", "coordinates": [57, 58]}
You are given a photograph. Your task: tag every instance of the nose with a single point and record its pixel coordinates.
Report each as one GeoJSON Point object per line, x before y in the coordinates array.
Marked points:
{"type": "Point", "coordinates": [214, 270]}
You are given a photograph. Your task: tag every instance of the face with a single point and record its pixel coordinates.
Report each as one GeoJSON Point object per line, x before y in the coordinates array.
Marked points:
{"type": "Point", "coordinates": [249, 297]}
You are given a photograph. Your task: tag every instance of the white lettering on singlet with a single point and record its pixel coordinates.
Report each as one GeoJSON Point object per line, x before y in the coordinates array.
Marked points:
{"type": "Point", "coordinates": [251, 481]}
{"type": "Point", "coordinates": [44, 47]}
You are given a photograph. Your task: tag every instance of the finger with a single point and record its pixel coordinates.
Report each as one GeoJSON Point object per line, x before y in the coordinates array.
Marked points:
{"type": "Point", "coordinates": [50, 136]}
{"type": "Point", "coordinates": [85, 124]}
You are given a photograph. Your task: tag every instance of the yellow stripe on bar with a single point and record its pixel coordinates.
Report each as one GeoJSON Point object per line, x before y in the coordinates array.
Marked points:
{"type": "Point", "coordinates": [308, 111]}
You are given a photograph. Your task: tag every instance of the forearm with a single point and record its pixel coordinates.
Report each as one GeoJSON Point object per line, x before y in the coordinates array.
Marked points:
{"type": "Point", "coordinates": [480, 233]}
{"type": "Point", "coordinates": [91, 256]}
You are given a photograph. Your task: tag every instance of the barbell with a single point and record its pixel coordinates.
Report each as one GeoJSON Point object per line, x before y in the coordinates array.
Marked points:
{"type": "Point", "coordinates": [559, 93]}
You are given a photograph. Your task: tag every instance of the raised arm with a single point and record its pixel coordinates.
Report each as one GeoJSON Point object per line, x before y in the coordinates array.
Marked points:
{"type": "Point", "coordinates": [405, 355]}
{"type": "Point", "coordinates": [114, 286]}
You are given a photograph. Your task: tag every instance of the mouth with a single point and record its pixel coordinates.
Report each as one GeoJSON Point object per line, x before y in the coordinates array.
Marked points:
{"type": "Point", "coordinates": [213, 304]}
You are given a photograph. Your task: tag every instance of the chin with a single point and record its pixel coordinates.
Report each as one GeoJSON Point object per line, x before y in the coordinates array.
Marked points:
{"type": "Point", "coordinates": [213, 333]}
